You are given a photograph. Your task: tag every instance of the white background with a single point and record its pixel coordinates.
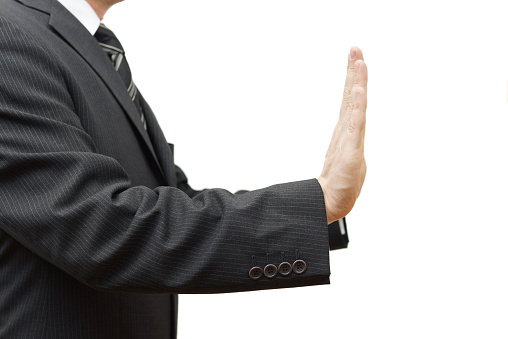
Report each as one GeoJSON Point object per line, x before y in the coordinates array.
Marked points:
{"type": "Point", "coordinates": [249, 91]}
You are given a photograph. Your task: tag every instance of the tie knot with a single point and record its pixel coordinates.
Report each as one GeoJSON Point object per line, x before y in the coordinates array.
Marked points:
{"type": "Point", "coordinates": [108, 40]}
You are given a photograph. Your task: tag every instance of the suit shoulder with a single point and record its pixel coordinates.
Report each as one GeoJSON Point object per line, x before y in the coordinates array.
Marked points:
{"type": "Point", "coordinates": [24, 55]}
{"type": "Point", "coordinates": [21, 27]}
{"type": "Point", "coordinates": [22, 19]}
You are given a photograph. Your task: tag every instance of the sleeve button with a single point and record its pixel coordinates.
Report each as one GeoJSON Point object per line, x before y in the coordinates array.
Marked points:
{"type": "Point", "coordinates": [270, 271]}
{"type": "Point", "coordinates": [285, 269]}
{"type": "Point", "coordinates": [299, 266]}
{"type": "Point", "coordinates": [255, 273]}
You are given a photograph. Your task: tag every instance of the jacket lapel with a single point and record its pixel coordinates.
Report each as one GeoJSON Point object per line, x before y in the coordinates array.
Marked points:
{"type": "Point", "coordinates": [76, 35]}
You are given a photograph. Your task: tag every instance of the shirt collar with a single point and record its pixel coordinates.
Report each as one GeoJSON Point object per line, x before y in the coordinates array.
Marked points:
{"type": "Point", "coordinates": [82, 10]}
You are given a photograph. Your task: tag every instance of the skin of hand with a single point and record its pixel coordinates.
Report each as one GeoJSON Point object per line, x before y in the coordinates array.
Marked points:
{"type": "Point", "coordinates": [344, 169]}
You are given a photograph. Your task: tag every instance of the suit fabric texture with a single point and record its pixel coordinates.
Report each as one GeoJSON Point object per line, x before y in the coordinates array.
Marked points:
{"type": "Point", "coordinates": [99, 229]}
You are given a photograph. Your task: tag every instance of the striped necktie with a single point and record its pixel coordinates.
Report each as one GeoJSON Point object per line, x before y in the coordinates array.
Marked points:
{"type": "Point", "coordinates": [114, 50]}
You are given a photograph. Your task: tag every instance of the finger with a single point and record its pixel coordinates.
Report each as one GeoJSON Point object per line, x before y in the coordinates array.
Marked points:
{"type": "Point", "coordinates": [358, 119]}
{"type": "Point", "coordinates": [359, 81]}
{"type": "Point", "coordinates": [361, 76]}
{"type": "Point", "coordinates": [354, 54]}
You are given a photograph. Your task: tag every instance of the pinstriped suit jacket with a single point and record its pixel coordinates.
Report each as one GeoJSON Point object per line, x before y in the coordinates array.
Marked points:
{"type": "Point", "coordinates": [99, 229]}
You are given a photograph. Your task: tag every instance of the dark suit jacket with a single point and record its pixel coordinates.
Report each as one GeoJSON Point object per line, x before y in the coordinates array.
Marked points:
{"type": "Point", "coordinates": [99, 229]}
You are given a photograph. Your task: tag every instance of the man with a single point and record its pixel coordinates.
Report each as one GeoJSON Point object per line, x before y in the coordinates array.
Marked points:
{"type": "Point", "coordinates": [99, 230]}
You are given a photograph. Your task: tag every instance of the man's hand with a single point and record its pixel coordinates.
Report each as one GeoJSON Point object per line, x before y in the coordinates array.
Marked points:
{"type": "Point", "coordinates": [345, 168]}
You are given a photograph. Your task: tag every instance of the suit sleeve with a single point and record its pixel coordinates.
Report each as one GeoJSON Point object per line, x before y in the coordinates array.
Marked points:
{"type": "Point", "coordinates": [337, 231]}
{"type": "Point", "coordinates": [77, 209]}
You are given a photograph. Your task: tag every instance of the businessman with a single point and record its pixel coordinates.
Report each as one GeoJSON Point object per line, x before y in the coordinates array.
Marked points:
{"type": "Point", "coordinates": [99, 229]}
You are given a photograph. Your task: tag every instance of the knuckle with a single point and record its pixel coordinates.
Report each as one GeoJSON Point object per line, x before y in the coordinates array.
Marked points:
{"type": "Point", "coordinates": [360, 90]}
{"type": "Point", "coordinates": [353, 103]}
{"type": "Point", "coordinates": [351, 126]}
{"type": "Point", "coordinates": [350, 109]}
{"type": "Point", "coordinates": [346, 94]}
{"type": "Point", "coordinates": [360, 95]}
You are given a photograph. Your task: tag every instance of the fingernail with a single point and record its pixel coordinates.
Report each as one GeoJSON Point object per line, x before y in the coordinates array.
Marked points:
{"type": "Point", "coordinates": [352, 55]}
{"type": "Point", "coordinates": [357, 67]}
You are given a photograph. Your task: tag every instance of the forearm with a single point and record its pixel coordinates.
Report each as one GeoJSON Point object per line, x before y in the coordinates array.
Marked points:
{"type": "Point", "coordinates": [112, 236]}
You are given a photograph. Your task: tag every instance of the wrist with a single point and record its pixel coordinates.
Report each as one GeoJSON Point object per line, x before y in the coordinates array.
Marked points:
{"type": "Point", "coordinates": [329, 215]}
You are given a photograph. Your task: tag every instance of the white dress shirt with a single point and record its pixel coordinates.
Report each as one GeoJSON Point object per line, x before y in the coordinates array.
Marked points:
{"type": "Point", "coordinates": [82, 10]}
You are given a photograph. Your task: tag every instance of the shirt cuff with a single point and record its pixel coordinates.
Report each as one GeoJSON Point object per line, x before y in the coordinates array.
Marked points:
{"type": "Point", "coordinates": [337, 234]}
